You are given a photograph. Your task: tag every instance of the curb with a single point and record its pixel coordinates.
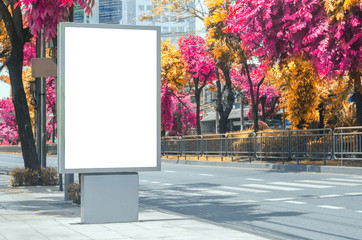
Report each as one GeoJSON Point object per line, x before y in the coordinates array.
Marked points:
{"type": "Point", "coordinates": [272, 167]}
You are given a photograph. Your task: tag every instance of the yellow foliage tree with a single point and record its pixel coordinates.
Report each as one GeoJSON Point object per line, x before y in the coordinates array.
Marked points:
{"type": "Point", "coordinates": [27, 78]}
{"type": "Point", "coordinates": [339, 111]}
{"type": "Point", "coordinates": [4, 44]}
{"type": "Point", "coordinates": [225, 51]}
{"type": "Point", "coordinates": [337, 9]}
{"type": "Point", "coordinates": [298, 83]}
{"type": "Point", "coordinates": [172, 69]}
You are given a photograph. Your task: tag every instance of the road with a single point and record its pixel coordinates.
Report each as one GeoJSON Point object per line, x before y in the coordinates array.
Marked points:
{"type": "Point", "coordinates": [283, 205]}
{"type": "Point", "coordinates": [8, 161]}
{"type": "Point", "coordinates": [278, 205]}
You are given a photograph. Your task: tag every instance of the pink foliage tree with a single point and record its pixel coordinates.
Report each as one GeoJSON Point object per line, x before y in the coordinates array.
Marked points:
{"type": "Point", "coordinates": [166, 108]}
{"type": "Point", "coordinates": [184, 118]}
{"type": "Point", "coordinates": [199, 65]}
{"type": "Point", "coordinates": [51, 108]}
{"type": "Point", "coordinates": [8, 128]}
{"type": "Point", "coordinates": [46, 14]}
{"type": "Point", "coordinates": [265, 95]}
{"type": "Point", "coordinates": [275, 30]}
{"type": "Point", "coordinates": [177, 115]}
{"type": "Point", "coordinates": [29, 52]}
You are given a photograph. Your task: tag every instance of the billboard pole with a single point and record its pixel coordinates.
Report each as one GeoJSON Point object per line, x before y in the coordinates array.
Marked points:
{"type": "Point", "coordinates": [69, 178]}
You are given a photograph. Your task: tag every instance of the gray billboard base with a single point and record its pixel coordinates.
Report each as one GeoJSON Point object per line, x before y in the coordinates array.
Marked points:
{"type": "Point", "coordinates": [109, 198]}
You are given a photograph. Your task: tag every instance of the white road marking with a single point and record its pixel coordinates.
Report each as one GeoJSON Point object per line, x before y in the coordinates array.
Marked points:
{"type": "Point", "coordinates": [353, 194]}
{"type": "Point", "coordinates": [182, 193]}
{"type": "Point", "coordinates": [213, 192]}
{"type": "Point", "coordinates": [331, 207]}
{"type": "Point", "coordinates": [295, 202]}
{"type": "Point", "coordinates": [155, 182]}
{"type": "Point", "coordinates": [331, 196]}
{"type": "Point", "coordinates": [248, 201]}
{"type": "Point", "coordinates": [330, 183]}
{"type": "Point", "coordinates": [255, 179]}
{"type": "Point", "coordinates": [206, 175]}
{"type": "Point", "coordinates": [169, 171]}
{"type": "Point", "coordinates": [190, 204]}
{"type": "Point", "coordinates": [144, 180]}
{"type": "Point", "coordinates": [235, 201]}
{"type": "Point", "coordinates": [272, 187]}
{"type": "Point", "coordinates": [166, 184]}
{"type": "Point", "coordinates": [359, 211]}
{"type": "Point", "coordinates": [278, 199]}
{"type": "Point", "coordinates": [300, 185]}
{"type": "Point", "coordinates": [242, 189]}
{"type": "Point", "coordinates": [344, 180]}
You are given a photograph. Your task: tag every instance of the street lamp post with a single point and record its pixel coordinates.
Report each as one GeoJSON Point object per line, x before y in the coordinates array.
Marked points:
{"type": "Point", "coordinates": [241, 111]}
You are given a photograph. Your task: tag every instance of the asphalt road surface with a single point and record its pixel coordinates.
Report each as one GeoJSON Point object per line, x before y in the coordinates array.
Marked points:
{"type": "Point", "coordinates": [280, 205]}
{"type": "Point", "coordinates": [275, 204]}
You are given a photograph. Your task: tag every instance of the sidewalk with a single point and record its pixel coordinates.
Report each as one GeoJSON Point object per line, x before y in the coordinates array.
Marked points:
{"type": "Point", "coordinates": [40, 213]}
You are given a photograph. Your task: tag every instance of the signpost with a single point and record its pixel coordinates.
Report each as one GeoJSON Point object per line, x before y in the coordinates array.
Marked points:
{"type": "Point", "coordinates": [105, 74]}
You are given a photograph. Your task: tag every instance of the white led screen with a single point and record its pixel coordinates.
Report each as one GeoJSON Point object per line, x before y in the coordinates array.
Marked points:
{"type": "Point", "coordinates": [108, 98]}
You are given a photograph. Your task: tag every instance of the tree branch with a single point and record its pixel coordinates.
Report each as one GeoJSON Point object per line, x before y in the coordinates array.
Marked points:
{"type": "Point", "coordinates": [17, 20]}
{"type": "Point", "coordinates": [6, 16]}
{"type": "Point", "coordinates": [181, 101]}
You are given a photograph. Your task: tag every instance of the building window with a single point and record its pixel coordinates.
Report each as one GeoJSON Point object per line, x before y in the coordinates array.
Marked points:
{"type": "Point", "coordinates": [141, 7]}
{"type": "Point", "coordinates": [149, 7]}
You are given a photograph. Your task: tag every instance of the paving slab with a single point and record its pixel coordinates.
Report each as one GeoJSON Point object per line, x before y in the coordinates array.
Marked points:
{"type": "Point", "coordinates": [41, 213]}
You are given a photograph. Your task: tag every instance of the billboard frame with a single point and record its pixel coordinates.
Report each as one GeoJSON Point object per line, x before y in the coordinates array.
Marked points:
{"type": "Point", "coordinates": [61, 108]}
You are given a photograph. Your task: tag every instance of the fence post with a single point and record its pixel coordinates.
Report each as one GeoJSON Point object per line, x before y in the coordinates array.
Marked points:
{"type": "Point", "coordinates": [226, 145]}
{"type": "Point", "coordinates": [182, 146]}
{"type": "Point", "coordinates": [255, 145]}
{"type": "Point", "coordinates": [333, 143]}
{"type": "Point", "coordinates": [324, 147]}
{"type": "Point", "coordinates": [341, 149]}
{"type": "Point", "coordinates": [289, 145]}
{"type": "Point", "coordinates": [202, 145]}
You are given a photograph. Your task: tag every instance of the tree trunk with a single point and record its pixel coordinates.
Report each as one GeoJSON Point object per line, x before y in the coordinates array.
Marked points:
{"type": "Point", "coordinates": [254, 100]}
{"type": "Point", "coordinates": [224, 107]}
{"type": "Point", "coordinates": [321, 111]}
{"type": "Point", "coordinates": [22, 116]}
{"type": "Point", "coordinates": [197, 99]}
{"type": "Point", "coordinates": [18, 37]}
{"type": "Point", "coordinates": [356, 77]}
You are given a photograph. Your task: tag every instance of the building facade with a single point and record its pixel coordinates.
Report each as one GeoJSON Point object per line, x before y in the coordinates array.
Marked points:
{"type": "Point", "coordinates": [128, 12]}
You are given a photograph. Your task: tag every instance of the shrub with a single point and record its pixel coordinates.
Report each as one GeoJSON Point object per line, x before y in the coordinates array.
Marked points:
{"type": "Point", "coordinates": [262, 126]}
{"type": "Point", "coordinates": [26, 177]}
{"type": "Point", "coordinates": [74, 192]}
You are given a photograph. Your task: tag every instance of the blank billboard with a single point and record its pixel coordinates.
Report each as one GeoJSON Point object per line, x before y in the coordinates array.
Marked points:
{"type": "Point", "coordinates": [108, 98]}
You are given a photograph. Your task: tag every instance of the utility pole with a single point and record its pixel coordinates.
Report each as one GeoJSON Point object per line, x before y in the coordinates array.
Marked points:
{"type": "Point", "coordinates": [41, 105]}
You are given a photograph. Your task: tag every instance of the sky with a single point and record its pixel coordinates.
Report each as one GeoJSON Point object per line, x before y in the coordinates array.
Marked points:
{"type": "Point", "coordinates": [4, 90]}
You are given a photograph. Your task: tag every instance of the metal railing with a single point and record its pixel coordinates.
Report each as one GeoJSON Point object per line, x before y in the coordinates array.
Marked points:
{"type": "Point", "coordinates": [313, 144]}
{"type": "Point", "coordinates": [241, 145]}
{"type": "Point", "coordinates": [343, 143]}
{"type": "Point", "coordinates": [214, 145]}
{"type": "Point", "coordinates": [348, 143]}
{"type": "Point", "coordinates": [273, 145]}
{"type": "Point", "coordinates": [191, 145]}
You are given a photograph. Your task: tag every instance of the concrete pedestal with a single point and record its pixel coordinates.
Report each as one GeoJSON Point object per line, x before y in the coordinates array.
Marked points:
{"type": "Point", "coordinates": [109, 198]}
